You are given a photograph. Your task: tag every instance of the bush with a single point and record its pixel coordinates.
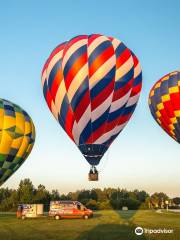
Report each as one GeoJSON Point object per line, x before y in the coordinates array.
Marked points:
{"type": "Point", "coordinates": [174, 207]}
{"type": "Point", "coordinates": [117, 203]}
{"type": "Point", "coordinates": [144, 206]}
{"type": "Point", "coordinates": [84, 201]}
{"type": "Point", "coordinates": [92, 204]}
{"type": "Point", "coordinates": [104, 205]}
{"type": "Point", "coordinates": [131, 203]}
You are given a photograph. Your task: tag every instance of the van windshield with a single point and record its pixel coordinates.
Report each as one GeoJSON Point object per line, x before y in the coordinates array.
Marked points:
{"type": "Point", "coordinates": [79, 206]}
{"type": "Point", "coordinates": [20, 208]}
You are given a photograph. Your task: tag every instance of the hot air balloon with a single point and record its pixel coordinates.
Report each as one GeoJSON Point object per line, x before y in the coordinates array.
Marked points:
{"type": "Point", "coordinates": [91, 84]}
{"type": "Point", "coordinates": [17, 136]}
{"type": "Point", "coordinates": [164, 104]}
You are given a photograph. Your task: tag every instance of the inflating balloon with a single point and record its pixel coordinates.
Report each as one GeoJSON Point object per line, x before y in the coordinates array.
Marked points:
{"type": "Point", "coordinates": [17, 136]}
{"type": "Point", "coordinates": [91, 85]}
{"type": "Point", "coordinates": [164, 104]}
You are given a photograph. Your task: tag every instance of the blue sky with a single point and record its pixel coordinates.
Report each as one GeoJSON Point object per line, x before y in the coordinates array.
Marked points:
{"type": "Point", "coordinates": [142, 156]}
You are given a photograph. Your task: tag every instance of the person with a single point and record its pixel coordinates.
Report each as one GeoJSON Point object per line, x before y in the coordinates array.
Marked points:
{"type": "Point", "coordinates": [91, 170]}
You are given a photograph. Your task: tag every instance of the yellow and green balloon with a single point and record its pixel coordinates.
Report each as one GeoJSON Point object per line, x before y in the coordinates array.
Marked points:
{"type": "Point", "coordinates": [17, 136]}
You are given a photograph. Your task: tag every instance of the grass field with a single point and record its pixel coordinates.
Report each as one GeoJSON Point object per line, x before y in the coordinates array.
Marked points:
{"type": "Point", "coordinates": [106, 225]}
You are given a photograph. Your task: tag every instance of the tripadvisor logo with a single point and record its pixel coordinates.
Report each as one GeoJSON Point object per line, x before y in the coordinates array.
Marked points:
{"type": "Point", "coordinates": [139, 231]}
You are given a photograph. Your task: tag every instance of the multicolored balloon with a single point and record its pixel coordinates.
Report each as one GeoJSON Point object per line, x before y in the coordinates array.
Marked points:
{"type": "Point", "coordinates": [164, 104]}
{"type": "Point", "coordinates": [91, 85]}
{"type": "Point", "coordinates": [17, 136]}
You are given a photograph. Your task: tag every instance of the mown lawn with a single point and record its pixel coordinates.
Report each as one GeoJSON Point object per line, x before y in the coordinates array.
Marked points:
{"type": "Point", "coordinates": [106, 225]}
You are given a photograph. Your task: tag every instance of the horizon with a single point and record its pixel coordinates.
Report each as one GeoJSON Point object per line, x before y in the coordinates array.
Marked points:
{"type": "Point", "coordinates": [84, 189]}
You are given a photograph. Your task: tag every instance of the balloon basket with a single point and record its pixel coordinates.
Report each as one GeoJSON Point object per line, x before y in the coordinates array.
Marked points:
{"type": "Point", "coordinates": [93, 176]}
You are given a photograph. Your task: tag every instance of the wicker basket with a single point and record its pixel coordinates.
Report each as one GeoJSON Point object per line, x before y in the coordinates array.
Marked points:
{"type": "Point", "coordinates": [93, 176]}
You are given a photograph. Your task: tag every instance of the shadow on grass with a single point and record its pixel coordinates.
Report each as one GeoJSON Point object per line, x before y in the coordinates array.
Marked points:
{"type": "Point", "coordinates": [127, 215]}
{"type": "Point", "coordinates": [115, 231]}
{"type": "Point", "coordinates": [97, 215]}
{"type": "Point", "coordinates": [111, 232]}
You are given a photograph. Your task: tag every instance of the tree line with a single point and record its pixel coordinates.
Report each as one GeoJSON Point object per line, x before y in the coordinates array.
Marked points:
{"type": "Point", "coordinates": [96, 199]}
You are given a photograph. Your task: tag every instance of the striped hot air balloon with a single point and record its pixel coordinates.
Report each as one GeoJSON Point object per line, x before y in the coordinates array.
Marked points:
{"type": "Point", "coordinates": [17, 136]}
{"type": "Point", "coordinates": [91, 84]}
{"type": "Point", "coordinates": [164, 104]}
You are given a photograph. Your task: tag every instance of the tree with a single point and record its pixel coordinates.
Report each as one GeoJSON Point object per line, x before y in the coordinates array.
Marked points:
{"type": "Point", "coordinates": [132, 204]}
{"type": "Point", "coordinates": [26, 191]}
{"type": "Point", "coordinates": [84, 194]}
{"type": "Point", "coordinates": [54, 195]}
{"type": "Point", "coordinates": [13, 200]}
{"type": "Point", "coordinates": [108, 192]}
{"type": "Point", "coordinates": [92, 204]}
{"type": "Point", "coordinates": [99, 194]}
{"type": "Point", "coordinates": [133, 195]}
{"type": "Point", "coordinates": [63, 197]}
{"type": "Point", "coordinates": [176, 200]}
{"type": "Point", "coordinates": [4, 193]}
{"type": "Point", "coordinates": [161, 195]}
{"type": "Point", "coordinates": [148, 202]}
{"type": "Point", "coordinates": [158, 199]}
{"type": "Point", "coordinates": [73, 195]}
{"type": "Point", "coordinates": [104, 205]}
{"type": "Point", "coordinates": [95, 199]}
{"type": "Point", "coordinates": [120, 193]}
{"type": "Point", "coordinates": [8, 199]}
{"type": "Point", "coordinates": [154, 201]}
{"type": "Point", "coordinates": [94, 195]}
{"type": "Point", "coordinates": [142, 195]}
{"type": "Point", "coordinates": [41, 195]}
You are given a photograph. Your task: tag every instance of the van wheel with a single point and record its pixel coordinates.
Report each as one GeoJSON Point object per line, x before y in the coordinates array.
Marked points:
{"type": "Point", "coordinates": [23, 217]}
{"type": "Point", "coordinates": [57, 217]}
{"type": "Point", "coordinates": [86, 217]}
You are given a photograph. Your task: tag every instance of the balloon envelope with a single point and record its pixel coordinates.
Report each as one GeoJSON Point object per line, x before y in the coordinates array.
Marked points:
{"type": "Point", "coordinates": [17, 136]}
{"type": "Point", "coordinates": [91, 85]}
{"type": "Point", "coordinates": [164, 104]}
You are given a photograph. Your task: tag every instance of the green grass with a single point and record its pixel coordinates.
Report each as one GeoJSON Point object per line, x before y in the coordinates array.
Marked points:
{"type": "Point", "coordinates": [106, 225]}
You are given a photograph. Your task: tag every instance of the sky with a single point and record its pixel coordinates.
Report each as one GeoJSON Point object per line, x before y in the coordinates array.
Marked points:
{"type": "Point", "coordinates": [143, 156]}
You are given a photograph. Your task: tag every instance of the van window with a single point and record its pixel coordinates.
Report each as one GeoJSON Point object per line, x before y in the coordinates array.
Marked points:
{"type": "Point", "coordinates": [79, 206]}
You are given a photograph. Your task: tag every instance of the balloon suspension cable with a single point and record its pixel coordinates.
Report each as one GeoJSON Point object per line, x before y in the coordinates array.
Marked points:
{"type": "Point", "coordinates": [93, 169]}
{"type": "Point", "coordinates": [105, 162]}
